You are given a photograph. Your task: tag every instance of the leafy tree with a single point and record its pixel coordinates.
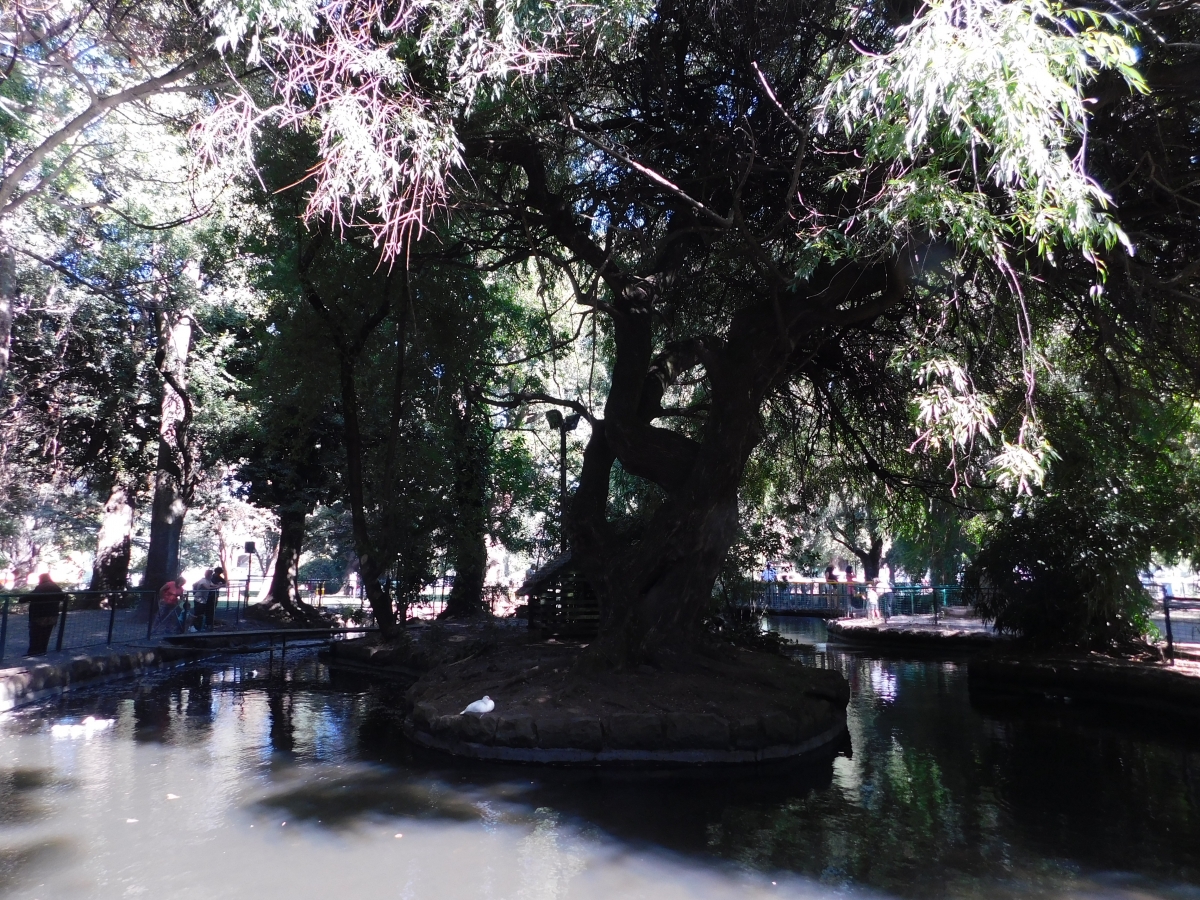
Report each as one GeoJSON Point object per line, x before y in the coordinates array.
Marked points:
{"type": "Point", "coordinates": [1063, 568]}
{"type": "Point", "coordinates": [70, 68]}
{"type": "Point", "coordinates": [746, 203]}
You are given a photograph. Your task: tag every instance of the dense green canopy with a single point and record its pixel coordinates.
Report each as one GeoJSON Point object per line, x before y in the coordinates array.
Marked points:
{"type": "Point", "coordinates": [820, 281]}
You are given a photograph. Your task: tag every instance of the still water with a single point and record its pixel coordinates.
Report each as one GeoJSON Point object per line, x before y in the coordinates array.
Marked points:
{"type": "Point", "coordinates": [258, 778]}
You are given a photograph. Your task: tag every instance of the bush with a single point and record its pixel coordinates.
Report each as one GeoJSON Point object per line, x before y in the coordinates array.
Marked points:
{"type": "Point", "coordinates": [1059, 576]}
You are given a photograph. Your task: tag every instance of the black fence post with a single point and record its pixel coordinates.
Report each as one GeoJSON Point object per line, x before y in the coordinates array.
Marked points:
{"type": "Point", "coordinates": [112, 617]}
{"type": "Point", "coordinates": [62, 623]}
{"type": "Point", "coordinates": [152, 603]}
{"type": "Point", "coordinates": [1167, 620]}
{"type": "Point", "coordinates": [4, 625]}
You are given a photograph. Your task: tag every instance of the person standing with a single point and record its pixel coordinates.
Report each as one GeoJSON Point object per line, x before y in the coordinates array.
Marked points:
{"type": "Point", "coordinates": [169, 596]}
{"type": "Point", "coordinates": [204, 599]}
{"type": "Point", "coordinates": [45, 604]}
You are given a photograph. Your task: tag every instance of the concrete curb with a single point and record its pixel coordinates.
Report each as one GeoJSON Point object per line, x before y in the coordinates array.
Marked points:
{"type": "Point", "coordinates": [20, 685]}
{"type": "Point", "coordinates": [884, 637]}
{"type": "Point", "coordinates": [818, 745]}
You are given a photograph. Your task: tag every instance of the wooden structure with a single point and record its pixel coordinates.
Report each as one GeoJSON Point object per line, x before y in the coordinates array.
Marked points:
{"type": "Point", "coordinates": [561, 602]}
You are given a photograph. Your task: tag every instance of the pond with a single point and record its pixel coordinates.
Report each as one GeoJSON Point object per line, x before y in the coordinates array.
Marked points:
{"type": "Point", "coordinates": [258, 777]}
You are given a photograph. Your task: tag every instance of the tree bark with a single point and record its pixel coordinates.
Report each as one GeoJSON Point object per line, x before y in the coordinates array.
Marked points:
{"type": "Point", "coordinates": [173, 477]}
{"type": "Point", "coordinates": [656, 590]}
{"type": "Point", "coordinates": [871, 558]}
{"type": "Point", "coordinates": [469, 551]}
{"type": "Point", "coordinates": [110, 569]}
{"type": "Point", "coordinates": [371, 566]}
{"type": "Point", "coordinates": [8, 299]}
{"type": "Point", "coordinates": [284, 590]}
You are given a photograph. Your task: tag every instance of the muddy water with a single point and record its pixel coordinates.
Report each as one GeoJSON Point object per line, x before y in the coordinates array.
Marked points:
{"type": "Point", "coordinates": [266, 778]}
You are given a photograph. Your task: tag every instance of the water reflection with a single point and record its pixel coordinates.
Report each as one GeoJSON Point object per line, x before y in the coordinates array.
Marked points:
{"type": "Point", "coordinates": [272, 777]}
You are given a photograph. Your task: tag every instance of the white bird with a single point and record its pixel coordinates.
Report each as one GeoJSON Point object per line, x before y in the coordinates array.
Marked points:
{"type": "Point", "coordinates": [486, 705]}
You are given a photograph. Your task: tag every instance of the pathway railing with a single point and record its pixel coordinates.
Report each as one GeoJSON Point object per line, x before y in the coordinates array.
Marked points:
{"type": "Point", "coordinates": [97, 618]}
{"type": "Point", "coordinates": [843, 600]}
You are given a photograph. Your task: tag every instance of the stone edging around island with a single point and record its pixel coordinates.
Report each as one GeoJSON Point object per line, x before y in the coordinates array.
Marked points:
{"type": "Point", "coordinates": [590, 739]}
{"type": "Point", "coordinates": [1148, 688]}
{"type": "Point", "coordinates": [29, 683]}
{"type": "Point", "coordinates": [898, 638]}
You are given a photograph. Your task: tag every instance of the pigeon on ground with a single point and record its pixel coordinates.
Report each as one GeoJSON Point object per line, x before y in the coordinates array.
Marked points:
{"type": "Point", "coordinates": [486, 705]}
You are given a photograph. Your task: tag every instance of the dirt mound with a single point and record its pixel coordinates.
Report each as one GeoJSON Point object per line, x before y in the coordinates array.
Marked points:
{"type": "Point", "coordinates": [727, 705]}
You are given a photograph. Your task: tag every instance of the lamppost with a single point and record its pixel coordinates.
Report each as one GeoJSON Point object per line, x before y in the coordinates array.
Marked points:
{"type": "Point", "coordinates": [250, 550]}
{"type": "Point", "coordinates": [563, 424]}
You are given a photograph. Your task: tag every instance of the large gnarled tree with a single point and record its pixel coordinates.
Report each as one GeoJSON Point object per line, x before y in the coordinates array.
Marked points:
{"type": "Point", "coordinates": [752, 199]}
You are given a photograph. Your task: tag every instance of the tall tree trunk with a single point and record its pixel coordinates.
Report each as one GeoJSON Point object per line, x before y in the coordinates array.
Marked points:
{"type": "Point", "coordinates": [110, 569]}
{"type": "Point", "coordinates": [375, 557]}
{"type": "Point", "coordinates": [173, 477]}
{"type": "Point", "coordinates": [871, 558]}
{"type": "Point", "coordinates": [8, 299]}
{"type": "Point", "coordinates": [372, 565]}
{"type": "Point", "coordinates": [469, 550]}
{"type": "Point", "coordinates": [287, 562]}
{"type": "Point", "coordinates": [656, 589]}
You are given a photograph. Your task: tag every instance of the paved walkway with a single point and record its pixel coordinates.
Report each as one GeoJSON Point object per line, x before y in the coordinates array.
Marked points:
{"type": "Point", "coordinates": [84, 628]}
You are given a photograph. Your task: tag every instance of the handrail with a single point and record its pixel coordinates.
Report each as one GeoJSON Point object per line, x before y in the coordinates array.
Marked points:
{"type": "Point", "coordinates": [85, 618]}
{"type": "Point", "coordinates": [848, 599]}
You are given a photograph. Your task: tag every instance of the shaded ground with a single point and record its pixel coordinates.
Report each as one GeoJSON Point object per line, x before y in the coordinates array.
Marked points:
{"type": "Point", "coordinates": [523, 676]}
{"type": "Point", "coordinates": [721, 704]}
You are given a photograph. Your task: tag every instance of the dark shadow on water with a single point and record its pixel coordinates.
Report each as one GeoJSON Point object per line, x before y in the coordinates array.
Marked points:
{"type": "Point", "coordinates": [18, 794]}
{"type": "Point", "coordinates": [19, 865]}
{"type": "Point", "coordinates": [667, 807]}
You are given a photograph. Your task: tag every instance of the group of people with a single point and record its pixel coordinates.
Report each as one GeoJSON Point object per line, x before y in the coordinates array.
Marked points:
{"type": "Point", "coordinates": [47, 602]}
{"type": "Point", "coordinates": [174, 612]}
{"type": "Point", "coordinates": [869, 590]}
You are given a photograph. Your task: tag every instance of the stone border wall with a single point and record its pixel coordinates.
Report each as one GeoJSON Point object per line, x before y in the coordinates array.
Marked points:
{"type": "Point", "coordinates": [37, 681]}
{"type": "Point", "coordinates": [1138, 686]}
{"type": "Point", "coordinates": [897, 637]}
{"type": "Point", "coordinates": [673, 738]}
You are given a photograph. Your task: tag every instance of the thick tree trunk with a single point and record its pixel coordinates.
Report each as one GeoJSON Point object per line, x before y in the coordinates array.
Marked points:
{"type": "Point", "coordinates": [871, 558]}
{"type": "Point", "coordinates": [173, 476]}
{"type": "Point", "coordinates": [656, 591]}
{"type": "Point", "coordinates": [371, 566]}
{"type": "Point", "coordinates": [110, 569]}
{"type": "Point", "coordinates": [8, 299]}
{"type": "Point", "coordinates": [469, 550]}
{"type": "Point", "coordinates": [284, 590]}
{"type": "Point", "coordinates": [166, 525]}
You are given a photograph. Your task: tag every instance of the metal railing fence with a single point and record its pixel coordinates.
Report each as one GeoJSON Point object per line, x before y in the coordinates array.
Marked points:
{"type": "Point", "coordinates": [98, 618]}
{"type": "Point", "coordinates": [81, 619]}
{"type": "Point", "coordinates": [848, 600]}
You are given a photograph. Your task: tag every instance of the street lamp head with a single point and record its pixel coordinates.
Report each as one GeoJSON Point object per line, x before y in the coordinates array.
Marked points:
{"type": "Point", "coordinates": [555, 418]}
{"type": "Point", "coordinates": [570, 422]}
